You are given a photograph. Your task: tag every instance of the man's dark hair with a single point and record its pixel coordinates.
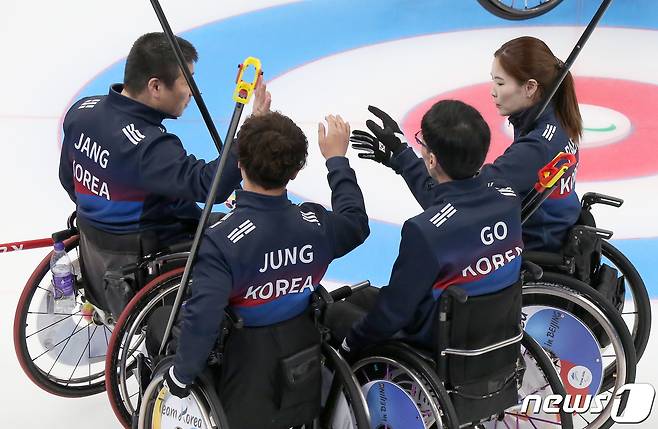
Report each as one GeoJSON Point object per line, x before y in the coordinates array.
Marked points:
{"type": "Point", "coordinates": [271, 149]}
{"type": "Point", "coordinates": [458, 136]}
{"type": "Point", "coordinates": [152, 56]}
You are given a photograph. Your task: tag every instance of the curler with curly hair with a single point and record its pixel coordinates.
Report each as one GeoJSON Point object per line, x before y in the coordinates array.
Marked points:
{"type": "Point", "coordinates": [271, 149]}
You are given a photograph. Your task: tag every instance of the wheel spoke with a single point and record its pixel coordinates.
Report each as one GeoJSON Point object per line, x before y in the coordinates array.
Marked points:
{"type": "Point", "coordinates": [87, 347]}
{"type": "Point", "coordinates": [51, 325]}
{"type": "Point", "coordinates": [55, 346]}
{"type": "Point", "coordinates": [537, 419]}
{"type": "Point", "coordinates": [583, 417]}
{"type": "Point", "coordinates": [65, 344]}
{"type": "Point", "coordinates": [537, 390]}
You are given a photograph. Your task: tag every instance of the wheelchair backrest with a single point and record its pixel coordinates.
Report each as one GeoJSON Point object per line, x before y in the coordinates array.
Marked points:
{"type": "Point", "coordinates": [478, 346]}
{"type": "Point", "coordinates": [102, 252]}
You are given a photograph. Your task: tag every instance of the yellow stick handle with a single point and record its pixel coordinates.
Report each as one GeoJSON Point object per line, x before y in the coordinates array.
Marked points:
{"type": "Point", "coordinates": [243, 89]}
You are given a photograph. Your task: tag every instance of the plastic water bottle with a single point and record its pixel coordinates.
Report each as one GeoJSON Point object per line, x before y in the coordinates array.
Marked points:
{"type": "Point", "coordinates": [63, 280]}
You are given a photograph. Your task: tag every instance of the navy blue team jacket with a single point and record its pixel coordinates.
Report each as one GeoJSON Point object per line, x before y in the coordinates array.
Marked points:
{"type": "Point", "coordinates": [127, 174]}
{"type": "Point", "coordinates": [264, 259]}
{"type": "Point", "coordinates": [470, 236]}
{"type": "Point", "coordinates": [518, 165]}
{"type": "Point", "coordinates": [547, 228]}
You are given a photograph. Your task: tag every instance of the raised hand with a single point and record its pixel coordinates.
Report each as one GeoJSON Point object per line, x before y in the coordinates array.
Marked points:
{"type": "Point", "coordinates": [334, 140]}
{"type": "Point", "coordinates": [381, 144]}
{"type": "Point", "coordinates": [262, 98]}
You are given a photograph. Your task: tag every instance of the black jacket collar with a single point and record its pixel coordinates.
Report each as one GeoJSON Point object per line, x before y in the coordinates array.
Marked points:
{"type": "Point", "coordinates": [134, 107]}
{"type": "Point", "coordinates": [254, 200]}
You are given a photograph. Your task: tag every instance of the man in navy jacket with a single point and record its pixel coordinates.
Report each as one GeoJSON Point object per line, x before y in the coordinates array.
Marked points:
{"type": "Point", "coordinates": [119, 164]}
{"type": "Point", "coordinates": [469, 234]}
{"type": "Point", "coordinates": [264, 260]}
{"type": "Point", "coordinates": [546, 228]}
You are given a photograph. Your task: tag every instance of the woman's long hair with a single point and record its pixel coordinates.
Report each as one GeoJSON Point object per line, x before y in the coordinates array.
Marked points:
{"type": "Point", "coordinates": [528, 58]}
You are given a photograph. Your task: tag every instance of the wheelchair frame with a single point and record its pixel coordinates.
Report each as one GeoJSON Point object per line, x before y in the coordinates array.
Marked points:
{"type": "Point", "coordinates": [557, 263]}
{"type": "Point", "coordinates": [563, 291]}
{"type": "Point", "coordinates": [429, 374]}
{"type": "Point", "coordinates": [165, 287]}
{"type": "Point", "coordinates": [94, 382]}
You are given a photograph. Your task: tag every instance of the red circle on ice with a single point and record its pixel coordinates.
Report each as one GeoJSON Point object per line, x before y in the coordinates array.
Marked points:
{"type": "Point", "coordinates": [632, 156]}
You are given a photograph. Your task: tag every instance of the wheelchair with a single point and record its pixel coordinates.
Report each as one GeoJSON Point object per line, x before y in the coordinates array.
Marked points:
{"type": "Point", "coordinates": [598, 293]}
{"type": "Point", "coordinates": [64, 354]}
{"type": "Point", "coordinates": [588, 256]}
{"type": "Point", "coordinates": [484, 367]}
{"type": "Point", "coordinates": [133, 377]}
{"type": "Point", "coordinates": [584, 336]}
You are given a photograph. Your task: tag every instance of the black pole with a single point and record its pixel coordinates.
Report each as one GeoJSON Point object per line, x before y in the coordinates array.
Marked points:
{"type": "Point", "coordinates": [205, 214]}
{"type": "Point", "coordinates": [188, 76]}
{"type": "Point", "coordinates": [570, 60]}
{"type": "Point", "coordinates": [548, 177]}
{"type": "Point", "coordinates": [530, 205]}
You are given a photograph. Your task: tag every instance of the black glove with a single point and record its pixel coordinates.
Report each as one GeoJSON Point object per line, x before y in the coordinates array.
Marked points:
{"type": "Point", "coordinates": [383, 143]}
{"type": "Point", "coordinates": [175, 387]}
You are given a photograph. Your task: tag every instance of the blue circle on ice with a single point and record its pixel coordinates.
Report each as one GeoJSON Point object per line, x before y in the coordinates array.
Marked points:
{"type": "Point", "coordinates": [293, 35]}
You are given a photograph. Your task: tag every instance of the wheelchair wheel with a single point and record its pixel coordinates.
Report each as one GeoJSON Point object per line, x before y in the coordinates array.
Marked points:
{"type": "Point", "coordinates": [637, 309]}
{"type": "Point", "coordinates": [63, 354]}
{"type": "Point", "coordinates": [345, 405]}
{"type": "Point", "coordinates": [562, 314]}
{"type": "Point", "coordinates": [395, 371]}
{"type": "Point", "coordinates": [509, 9]}
{"type": "Point", "coordinates": [398, 364]}
{"type": "Point", "coordinates": [202, 409]}
{"type": "Point", "coordinates": [538, 378]}
{"type": "Point", "coordinates": [128, 341]}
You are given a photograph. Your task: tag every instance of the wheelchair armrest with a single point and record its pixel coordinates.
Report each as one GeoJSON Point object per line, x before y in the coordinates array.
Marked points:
{"type": "Point", "coordinates": [536, 272]}
{"type": "Point", "coordinates": [456, 293]}
{"type": "Point", "coordinates": [121, 272]}
{"type": "Point", "coordinates": [178, 247]}
{"type": "Point", "coordinates": [70, 222]}
{"type": "Point", "coordinates": [603, 233]}
{"type": "Point", "coordinates": [234, 318]}
{"type": "Point", "coordinates": [591, 198]}
{"type": "Point", "coordinates": [543, 258]}
{"type": "Point", "coordinates": [64, 234]}
{"type": "Point", "coordinates": [346, 291]}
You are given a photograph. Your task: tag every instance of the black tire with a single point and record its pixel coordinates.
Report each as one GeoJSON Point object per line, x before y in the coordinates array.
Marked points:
{"type": "Point", "coordinates": [74, 387]}
{"type": "Point", "coordinates": [609, 311]}
{"type": "Point", "coordinates": [501, 10]}
{"type": "Point", "coordinates": [641, 329]}
{"type": "Point", "coordinates": [411, 359]}
{"type": "Point", "coordinates": [406, 356]}
{"type": "Point", "coordinates": [343, 375]}
{"type": "Point", "coordinates": [167, 284]}
{"type": "Point", "coordinates": [552, 376]}
{"type": "Point", "coordinates": [571, 286]}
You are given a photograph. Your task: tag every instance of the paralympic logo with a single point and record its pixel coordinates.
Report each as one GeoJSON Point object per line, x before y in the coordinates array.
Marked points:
{"type": "Point", "coordinates": [632, 403]}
